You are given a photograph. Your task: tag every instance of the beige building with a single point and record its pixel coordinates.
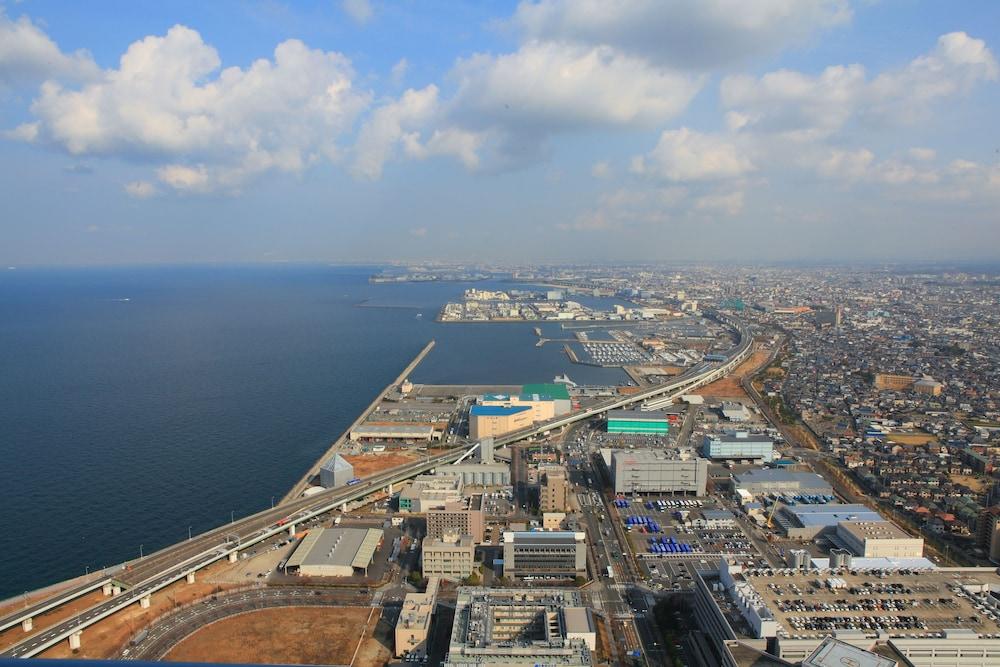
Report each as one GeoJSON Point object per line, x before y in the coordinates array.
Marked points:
{"type": "Point", "coordinates": [430, 492]}
{"type": "Point", "coordinates": [542, 407]}
{"type": "Point", "coordinates": [879, 539]}
{"type": "Point", "coordinates": [928, 385]}
{"type": "Point", "coordinates": [553, 520]}
{"type": "Point", "coordinates": [553, 490]}
{"type": "Point", "coordinates": [415, 620]}
{"type": "Point", "coordinates": [490, 421]}
{"type": "Point", "coordinates": [458, 517]}
{"type": "Point", "coordinates": [450, 558]}
{"type": "Point", "coordinates": [892, 382]}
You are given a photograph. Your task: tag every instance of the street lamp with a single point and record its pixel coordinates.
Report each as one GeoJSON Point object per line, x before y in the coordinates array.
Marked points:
{"type": "Point", "coordinates": [272, 502]}
{"type": "Point", "coordinates": [232, 517]}
{"type": "Point", "coordinates": [189, 533]}
{"type": "Point", "coordinates": [140, 552]}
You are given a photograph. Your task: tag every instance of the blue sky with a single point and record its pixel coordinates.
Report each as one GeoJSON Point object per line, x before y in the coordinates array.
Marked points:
{"type": "Point", "coordinates": [142, 132]}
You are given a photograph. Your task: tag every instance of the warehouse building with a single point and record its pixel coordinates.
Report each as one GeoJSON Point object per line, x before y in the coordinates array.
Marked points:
{"type": "Point", "coordinates": [335, 552]}
{"type": "Point", "coordinates": [520, 628]}
{"type": "Point", "coordinates": [739, 445]}
{"type": "Point", "coordinates": [452, 558]}
{"type": "Point", "coordinates": [490, 421]}
{"type": "Point", "coordinates": [638, 422]}
{"type": "Point", "coordinates": [657, 471]}
{"type": "Point", "coordinates": [807, 522]}
{"type": "Point", "coordinates": [545, 554]}
{"type": "Point", "coordinates": [458, 517]}
{"type": "Point", "coordinates": [431, 492]}
{"type": "Point", "coordinates": [761, 481]}
{"type": "Point", "coordinates": [381, 432]}
{"type": "Point", "coordinates": [879, 539]}
{"type": "Point", "coordinates": [336, 472]}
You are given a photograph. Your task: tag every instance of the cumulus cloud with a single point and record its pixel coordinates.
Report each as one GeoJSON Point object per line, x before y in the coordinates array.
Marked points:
{"type": "Point", "coordinates": [686, 155]}
{"type": "Point", "coordinates": [360, 11]}
{"type": "Point", "coordinates": [730, 203]}
{"type": "Point", "coordinates": [805, 107]}
{"type": "Point", "coordinates": [29, 56]}
{"type": "Point", "coordinates": [601, 170]}
{"type": "Point", "coordinates": [169, 102]}
{"type": "Point", "coordinates": [679, 33]}
{"type": "Point", "coordinates": [399, 70]}
{"type": "Point", "coordinates": [141, 189]}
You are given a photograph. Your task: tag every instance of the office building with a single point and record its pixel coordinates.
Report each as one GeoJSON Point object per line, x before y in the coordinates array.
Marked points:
{"type": "Point", "coordinates": [336, 472]}
{"type": "Point", "coordinates": [553, 491]}
{"type": "Point", "coordinates": [458, 517]}
{"type": "Point", "coordinates": [431, 492]}
{"type": "Point", "coordinates": [520, 628]}
{"type": "Point", "coordinates": [638, 422]}
{"type": "Point", "coordinates": [739, 445]}
{"type": "Point", "coordinates": [657, 471]}
{"type": "Point", "coordinates": [335, 552]}
{"type": "Point", "coordinates": [879, 539]}
{"type": "Point", "coordinates": [544, 554]}
{"type": "Point", "coordinates": [414, 620]}
{"type": "Point", "coordinates": [452, 558]}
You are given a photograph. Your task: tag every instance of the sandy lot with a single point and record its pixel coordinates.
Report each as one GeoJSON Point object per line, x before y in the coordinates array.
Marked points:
{"type": "Point", "coordinates": [729, 386]}
{"type": "Point", "coordinates": [366, 465]}
{"type": "Point", "coordinates": [977, 484]}
{"type": "Point", "coordinates": [291, 635]}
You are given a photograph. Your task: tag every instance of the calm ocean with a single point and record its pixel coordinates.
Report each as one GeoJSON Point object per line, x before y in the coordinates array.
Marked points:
{"type": "Point", "coordinates": [135, 403]}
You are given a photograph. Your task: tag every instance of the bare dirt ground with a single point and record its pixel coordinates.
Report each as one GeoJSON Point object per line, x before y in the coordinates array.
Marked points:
{"type": "Point", "coordinates": [103, 639]}
{"type": "Point", "coordinates": [729, 386]}
{"type": "Point", "coordinates": [366, 465]}
{"type": "Point", "coordinates": [911, 438]}
{"type": "Point", "coordinates": [289, 635]}
{"type": "Point", "coordinates": [977, 484]}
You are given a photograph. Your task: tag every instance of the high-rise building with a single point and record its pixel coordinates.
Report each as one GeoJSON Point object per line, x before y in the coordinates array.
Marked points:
{"type": "Point", "coordinates": [553, 490]}
{"type": "Point", "coordinates": [457, 517]}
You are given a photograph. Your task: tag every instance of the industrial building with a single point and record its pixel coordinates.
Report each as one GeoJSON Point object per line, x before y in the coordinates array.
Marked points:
{"type": "Point", "coordinates": [336, 472]}
{"type": "Point", "coordinates": [496, 420]}
{"type": "Point", "coordinates": [380, 432]}
{"type": "Point", "coordinates": [638, 422]}
{"type": "Point", "coordinates": [414, 620]}
{"type": "Point", "coordinates": [879, 539]}
{"type": "Point", "coordinates": [480, 474]}
{"type": "Point", "coordinates": [335, 552]}
{"type": "Point", "coordinates": [657, 471]}
{"type": "Point", "coordinates": [521, 628]}
{"type": "Point", "coordinates": [458, 517]}
{"type": "Point", "coordinates": [451, 558]}
{"type": "Point", "coordinates": [761, 481]}
{"type": "Point", "coordinates": [918, 619]}
{"type": "Point", "coordinates": [739, 445]}
{"type": "Point", "coordinates": [430, 492]}
{"type": "Point", "coordinates": [807, 522]}
{"type": "Point", "coordinates": [554, 489]}
{"type": "Point", "coordinates": [548, 554]}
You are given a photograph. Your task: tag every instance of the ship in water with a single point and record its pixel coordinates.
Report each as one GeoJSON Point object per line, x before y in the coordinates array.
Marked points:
{"type": "Point", "coordinates": [563, 379]}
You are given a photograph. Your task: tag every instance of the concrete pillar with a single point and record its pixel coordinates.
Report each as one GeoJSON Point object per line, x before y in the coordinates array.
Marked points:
{"type": "Point", "coordinates": [343, 507]}
{"type": "Point", "coordinates": [144, 602]}
{"type": "Point", "coordinates": [388, 489]}
{"type": "Point", "coordinates": [233, 556]}
{"type": "Point", "coordinates": [27, 624]}
{"type": "Point", "coordinates": [190, 577]}
{"type": "Point", "coordinates": [74, 640]}
{"type": "Point", "coordinates": [106, 588]}
{"type": "Point", "coordinates": [291, 530]}
{"type": "Point", "coordinates": [116, 590]}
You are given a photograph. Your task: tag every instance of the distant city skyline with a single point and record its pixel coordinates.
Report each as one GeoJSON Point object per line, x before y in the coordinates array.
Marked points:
{"type": "Point", "coordinates": [555, 130]}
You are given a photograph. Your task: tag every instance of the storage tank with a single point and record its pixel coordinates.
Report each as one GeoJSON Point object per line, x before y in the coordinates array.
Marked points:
{"type": "Point", "coordinates": [840, 558]}
{"type": "Point", "coordinates": [798, 559]}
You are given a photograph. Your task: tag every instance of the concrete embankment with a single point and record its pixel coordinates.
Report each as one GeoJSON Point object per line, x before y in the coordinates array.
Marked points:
{"type": "Point", "coordinates": [314, 470]}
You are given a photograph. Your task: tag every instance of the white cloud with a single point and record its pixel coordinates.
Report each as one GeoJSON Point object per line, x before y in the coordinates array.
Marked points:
{"type": "Point", "coordinates": [29, 56]}
{"type": "Point", "coordinates": [26, 132]}
{"type": "Point", "coordinates": [805, 107]}
{"type": "Point", "coordinates": [686, 155]}
{"type": "Point", "coordinates": [141, 189]}
{"type": "Point", "coordinates": [628, 207]}
{"type": "Point", "coordinates": [360, 11]}
{"type": "Point", "coordinates": [924, 154]}
{"type": "Point", "coordinates": [601, 170]}
{"type": "Point", "coordinates": [846, 165]}
{"type": "Point", "coordinates": [546, 87]}
{"type": "Point", "coordinates": [679, 33]}
{"type": "Point", "coordinates": [185, 179]}
{"type": "Point", "coordinates": [388, 125]}
{"type": "Point", "coordinates": [399, 70]}
{"type": "Point", "coordinates": [168, 102]}
{"type": "Point", "coordinates": [730, 203]}
{"type": "Point", "coordinates": [418, 232]}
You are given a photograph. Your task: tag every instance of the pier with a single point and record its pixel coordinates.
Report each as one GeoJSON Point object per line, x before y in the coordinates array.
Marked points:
{"type": "Point", "coordinates": [338, 443]}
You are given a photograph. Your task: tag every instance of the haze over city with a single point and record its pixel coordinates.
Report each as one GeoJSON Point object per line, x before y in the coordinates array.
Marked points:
{"type": "Point", "coordinates": [799, 130]}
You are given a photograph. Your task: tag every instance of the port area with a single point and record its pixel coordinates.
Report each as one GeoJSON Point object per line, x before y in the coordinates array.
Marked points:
{"type": "Point", "coordinates": [313, 473]}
